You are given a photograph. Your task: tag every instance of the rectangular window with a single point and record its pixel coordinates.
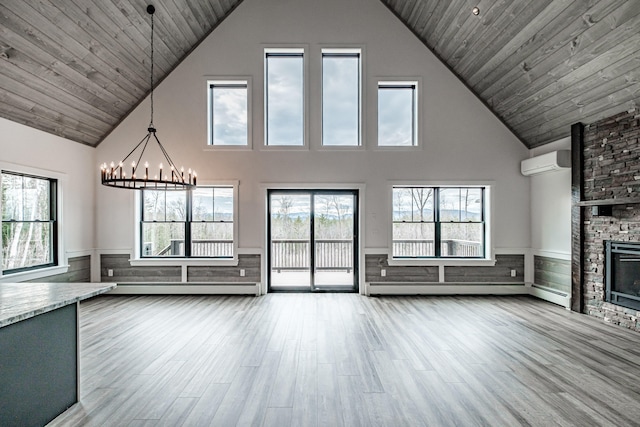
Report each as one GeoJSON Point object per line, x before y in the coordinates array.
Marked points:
{"type": "Point", "coordinates": [228, 113]}
{"type": "Point", "coordinates": [29, 226]}
{"type": "Point", "coordinates": [438, 222]}
{"type": "Point", "coordinates": [284, 97]}
{"type": "Point", "coordinates": [212, 222]}
{"type": "Point", "coordinates": [341, 97]}
{"type": "Point", "coordinates": [397, 113]}
{"type": "Point", "coordinates": [197, 223]}
{"type": "Point", "coordinates": [164, 222]}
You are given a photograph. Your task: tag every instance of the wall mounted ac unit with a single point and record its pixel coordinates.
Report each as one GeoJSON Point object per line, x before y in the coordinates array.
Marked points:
{"type": "Point", "coordinates": [552, 161]}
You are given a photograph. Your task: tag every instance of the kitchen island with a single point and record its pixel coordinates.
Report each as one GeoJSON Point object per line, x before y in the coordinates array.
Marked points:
{"type": "Point", "coordinates": [39, 349]}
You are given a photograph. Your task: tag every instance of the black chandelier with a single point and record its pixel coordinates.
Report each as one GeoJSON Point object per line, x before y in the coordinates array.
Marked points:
{"type": "Point", "coordinates": [114, 175]}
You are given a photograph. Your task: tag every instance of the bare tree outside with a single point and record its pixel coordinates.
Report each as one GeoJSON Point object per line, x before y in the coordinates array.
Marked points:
{"type": "Point", "coordinates": [459, 218]}
{"type": "Point", "coordinates": [165, 216]}
{"type": "Point", "coordinates": [26, 222]}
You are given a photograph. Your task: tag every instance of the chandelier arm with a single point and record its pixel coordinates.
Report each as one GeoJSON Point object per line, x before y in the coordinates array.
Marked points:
{"type": "Point", "coordinates": [147, 136]}
{"type": "Point", "coordinates": [135, 168]}
{"type": "Point", "coordinates": [166, 156]}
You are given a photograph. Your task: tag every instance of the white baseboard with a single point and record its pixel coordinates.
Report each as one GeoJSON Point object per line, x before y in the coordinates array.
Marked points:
{"type": "Point", "coordinates": [187, 289]}
{"type": "Point", "coordinates": [546, 294]}
{"type": "Point", "coordinates": [551, 295]}
{"type": "Point", "coordinates": [446, 289]}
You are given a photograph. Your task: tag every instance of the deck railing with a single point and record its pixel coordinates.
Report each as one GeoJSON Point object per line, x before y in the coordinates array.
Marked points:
{"type": "Point", "coordinates": [294, 254]}
{"type": "Point", "coordinates": [425, 248]}
{"type": "Point", "coordinates": [200, 248]}
{"type": "Point", "coordinates": [337, 254]}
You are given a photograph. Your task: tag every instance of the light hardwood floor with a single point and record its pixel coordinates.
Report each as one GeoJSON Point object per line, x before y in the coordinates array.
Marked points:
{"type": "Point", "coordinates": [349, 360]}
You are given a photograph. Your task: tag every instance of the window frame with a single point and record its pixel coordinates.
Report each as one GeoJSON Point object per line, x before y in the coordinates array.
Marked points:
{"type": "Point", "coordinates": [54, 221]}
{"type": "Point", "coordinates": [187, 201]}
{"type": "Point", "coordinates": [286, 51]}
{"type": "Point", "coordinates": [333, 51]}
{"type": "Point", "coordinates": [139, 260]}
{"type": "Point", "coordinates": [193, 221]}
{"type": "Point", "coordinates": [416, 108]}
{"type": "Point", "coordinates": [488, 257]}
{"type": "Point", "coordinates": [230, 81]}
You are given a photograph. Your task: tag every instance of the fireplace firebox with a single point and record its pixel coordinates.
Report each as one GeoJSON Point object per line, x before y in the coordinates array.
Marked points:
{"type": "Point", "coordinates": [622, 274]}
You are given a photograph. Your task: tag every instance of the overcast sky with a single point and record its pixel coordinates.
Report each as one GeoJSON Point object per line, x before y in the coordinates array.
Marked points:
{"type": "Point", "coordinates": [340, 100]}
{"type": "Point", "coordinates": [285, 100]}
{"type": "Point", "coordinates": [230, 115]}
{"type": "Point", "coordinates": [395, 115]}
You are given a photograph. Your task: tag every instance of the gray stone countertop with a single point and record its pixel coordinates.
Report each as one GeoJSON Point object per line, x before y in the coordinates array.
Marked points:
{"type": "Point", "coordinates": [20, 301]}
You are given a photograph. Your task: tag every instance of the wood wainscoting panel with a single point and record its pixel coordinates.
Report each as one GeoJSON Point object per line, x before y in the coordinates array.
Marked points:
{"type": "Point", "coordinates": [79, 271]}
{"type": "Point", "coordinates": [498, 273]}
{"type": "Point", "coordinates": [552, 273]}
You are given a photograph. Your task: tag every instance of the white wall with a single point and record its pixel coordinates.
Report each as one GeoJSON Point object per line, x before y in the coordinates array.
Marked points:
{"type": "Point", "coordinates": [462, 140]}
{"type": "Point", "coordinates": [24, 149]}
{"type": "Point", "coordinates": [551, 207]}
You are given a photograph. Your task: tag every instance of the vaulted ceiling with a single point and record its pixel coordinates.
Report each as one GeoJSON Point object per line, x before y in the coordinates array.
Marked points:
{"type": "Point", "coordinates": [76, 68]}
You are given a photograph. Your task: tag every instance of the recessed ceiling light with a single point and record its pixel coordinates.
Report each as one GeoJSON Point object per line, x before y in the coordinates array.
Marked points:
{"type": "Point", "coordinates": [476, 11]}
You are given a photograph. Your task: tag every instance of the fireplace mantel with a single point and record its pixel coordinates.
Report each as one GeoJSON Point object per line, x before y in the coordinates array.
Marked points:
{"type": "Point", "coordinates": [610, 202]}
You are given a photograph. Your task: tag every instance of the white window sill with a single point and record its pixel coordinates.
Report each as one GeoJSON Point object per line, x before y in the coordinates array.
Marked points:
{"type": "Point", "coordinates": [186, 262]}
{"type": "Point", "coordinates": [341, 148]}
{"type": "Point", "coordinates": [285, 148]}
{"type": "Point", "coordinates": [209, 147]}
{"type": "Point", "coordinates": [40, 273]}
{"type": "Point", "coordinates": [447, 262]}
{"type": "Point", "coordinates": [398, 148]}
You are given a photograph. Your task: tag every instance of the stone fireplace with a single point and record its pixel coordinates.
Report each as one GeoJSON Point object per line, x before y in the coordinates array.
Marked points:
{"type": "Point", "coordinates": [606, 212]}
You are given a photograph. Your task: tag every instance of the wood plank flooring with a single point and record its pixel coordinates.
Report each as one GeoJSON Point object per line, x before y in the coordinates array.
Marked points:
{"type": "Point", "coordinates": [349, 360]}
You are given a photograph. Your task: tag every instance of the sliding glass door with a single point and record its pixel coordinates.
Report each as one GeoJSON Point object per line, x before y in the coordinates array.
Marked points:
{"type": "Point", "coordinates": [312, 240]}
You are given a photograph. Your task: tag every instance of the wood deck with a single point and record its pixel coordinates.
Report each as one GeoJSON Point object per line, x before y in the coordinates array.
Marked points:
{"type": "Point", "coordinates": [349, 360]}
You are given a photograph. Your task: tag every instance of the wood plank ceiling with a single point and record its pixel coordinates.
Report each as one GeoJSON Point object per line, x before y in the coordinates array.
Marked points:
{"type": "Point", "coordinates": [540, 65]}
{"type": "Point", "coordinates": [76, 68]}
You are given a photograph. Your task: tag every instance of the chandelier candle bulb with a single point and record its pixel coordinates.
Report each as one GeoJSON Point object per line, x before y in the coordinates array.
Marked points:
{"type": "Point", "coordinates": [120, 167]}
{"type": "Point", "coordinates": [146, 170]}
{"type": "Point", "coordinates": [160, 171]}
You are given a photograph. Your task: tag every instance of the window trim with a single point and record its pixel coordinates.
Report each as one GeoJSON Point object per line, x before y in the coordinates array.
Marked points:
{"type": "Point", "coordinates": [284, 50]}
{"type": "Point", "coordinates": [417, 109]}
{"type": "Point", "coordinates": [59, 266]}
{"type": "Point", "coordinates": [221, 81]}
{"type": "Point", "coordinates": [337, 51]}
{"type": "Point", "coordinates": [489, 251]}
{"type": "Point", "coordinates": [138, 260]}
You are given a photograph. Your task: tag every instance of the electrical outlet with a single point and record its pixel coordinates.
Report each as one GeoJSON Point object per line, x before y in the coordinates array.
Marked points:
{"type": "Point", "coordinates": [110, 272]}
{"type": "Point", "coordinates": [242, 272]}
{"type": "Point", "coordinates": [513, 273]}
{"type": "Point", "coordinates": [383, 272]}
